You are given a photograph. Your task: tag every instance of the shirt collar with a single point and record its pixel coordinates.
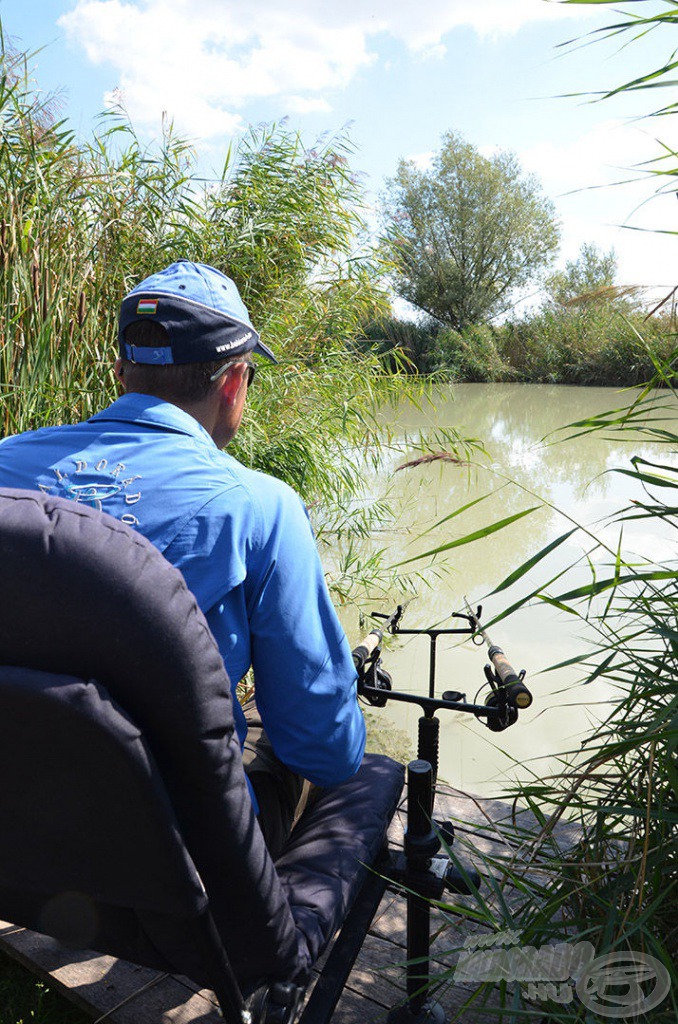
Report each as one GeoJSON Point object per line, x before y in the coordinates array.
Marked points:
{"type": "Point", "coordinates": [147, 410]}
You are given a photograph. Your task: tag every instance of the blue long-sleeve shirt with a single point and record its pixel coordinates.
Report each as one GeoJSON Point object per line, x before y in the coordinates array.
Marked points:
{"type": "Point", "coordinates": [244, 544]}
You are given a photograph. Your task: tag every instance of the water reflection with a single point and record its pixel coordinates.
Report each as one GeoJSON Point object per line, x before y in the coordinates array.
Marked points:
{"type": "Point", "coordinates": [571, 480]}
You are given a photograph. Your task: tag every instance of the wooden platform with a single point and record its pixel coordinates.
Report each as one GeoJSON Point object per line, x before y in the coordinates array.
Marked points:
{"type": "Point", "coordinates": [126, 994]}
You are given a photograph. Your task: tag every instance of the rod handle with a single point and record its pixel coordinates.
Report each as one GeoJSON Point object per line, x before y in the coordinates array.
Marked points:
{"type": "Point", "coordinates": [365, 649]}
{"type": "Point", "coordinates": [517, 693]}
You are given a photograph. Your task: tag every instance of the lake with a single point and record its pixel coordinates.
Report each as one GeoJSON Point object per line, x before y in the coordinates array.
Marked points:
{"type": "Point", "coordinates": [574, 479]}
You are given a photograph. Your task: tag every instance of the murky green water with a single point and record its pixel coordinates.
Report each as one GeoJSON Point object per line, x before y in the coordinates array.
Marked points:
{"type": "Point", "coordinates": [571, 478]}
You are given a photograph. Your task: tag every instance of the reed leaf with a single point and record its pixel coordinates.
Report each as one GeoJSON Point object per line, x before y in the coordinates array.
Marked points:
{"type": "Point", "coordinates": [470, 537]}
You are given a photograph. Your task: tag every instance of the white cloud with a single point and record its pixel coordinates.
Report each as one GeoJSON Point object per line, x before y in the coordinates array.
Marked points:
{"type": "Point", "coordinates": [202, 60]}
{"type": "Point", "coordinates": [610, 152]}
{"type": "Point", "coordinates": [489, 150]}
{"type": "Point", "coordinates": [604, 197]}
{"type": "Point", "coordinates": [436, 51]}
{"type": "Point", "coordinates": [307, 105]}
{"type": "Point", "coordinates": [422, 161]}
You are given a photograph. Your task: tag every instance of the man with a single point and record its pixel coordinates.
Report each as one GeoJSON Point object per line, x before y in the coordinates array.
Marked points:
{"type": "Point", "coordinates": [241, 539]}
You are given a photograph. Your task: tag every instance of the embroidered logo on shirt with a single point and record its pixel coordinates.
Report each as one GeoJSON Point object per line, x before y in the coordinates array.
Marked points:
{"type": "Point", "coordinates": [91, 494]}
{"type": "Point", "coordinates": [96, 492]}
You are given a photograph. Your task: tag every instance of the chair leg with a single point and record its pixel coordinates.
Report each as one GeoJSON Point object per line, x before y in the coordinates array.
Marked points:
{"type": "Point", "coordinates": [224, 984]}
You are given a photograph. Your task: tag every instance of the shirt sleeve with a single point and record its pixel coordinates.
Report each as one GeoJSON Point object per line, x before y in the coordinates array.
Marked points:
{"type": "Point", "coordinates": [304, 674]}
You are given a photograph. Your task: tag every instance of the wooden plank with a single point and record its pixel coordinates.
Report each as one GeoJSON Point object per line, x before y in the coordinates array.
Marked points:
{"type": "Point", "coordinates": [377, 983]}
{"type": "Point", "coordinates": [100, 984]}
{"type": "Point", "coordinates": [355, 1008]}
{"type": "Point", "coordinates": [105, 985]}
{"type": "Point", "coordinates": [378, 973]}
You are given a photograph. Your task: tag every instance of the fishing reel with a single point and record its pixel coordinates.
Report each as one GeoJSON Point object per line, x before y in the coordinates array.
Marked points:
{"type": "Point", "coordinates": [508, 714]}
{"type": "Point", "coordinates": [374, 683]}
{"type": "Point", "coordinates": [507, 696]}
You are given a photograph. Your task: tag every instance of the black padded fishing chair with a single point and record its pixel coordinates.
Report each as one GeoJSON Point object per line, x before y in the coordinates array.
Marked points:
{"type": "Point", "coordinates": [125, 821]}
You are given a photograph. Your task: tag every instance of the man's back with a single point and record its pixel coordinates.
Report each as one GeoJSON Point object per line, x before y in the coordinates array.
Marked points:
{"type": "Point", "coordinates": [150, 465]}
{"type": "Point", "coordinates": [244, 545]}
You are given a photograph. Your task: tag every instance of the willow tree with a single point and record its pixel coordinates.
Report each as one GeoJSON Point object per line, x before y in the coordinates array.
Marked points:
{"type": "Point", "coordinates": [469, 232]}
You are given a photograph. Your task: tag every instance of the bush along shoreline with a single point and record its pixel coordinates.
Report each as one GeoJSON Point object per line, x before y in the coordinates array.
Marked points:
{"type": "Point", "coordinates": [588, 343]}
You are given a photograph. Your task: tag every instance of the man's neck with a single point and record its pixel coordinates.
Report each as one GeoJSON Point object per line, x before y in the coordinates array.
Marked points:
{"type": "Point", "coordinates": [206, 412]}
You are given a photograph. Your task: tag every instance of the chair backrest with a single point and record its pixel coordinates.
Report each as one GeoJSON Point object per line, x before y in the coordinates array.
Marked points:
{"type": "Point", "coordinates": [123, 644]}
{"type": "Point", "coordinates": [90, 851]}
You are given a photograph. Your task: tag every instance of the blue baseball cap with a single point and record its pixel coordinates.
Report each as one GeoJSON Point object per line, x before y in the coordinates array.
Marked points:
{"type": "Point", "coordinates": [202, 313]}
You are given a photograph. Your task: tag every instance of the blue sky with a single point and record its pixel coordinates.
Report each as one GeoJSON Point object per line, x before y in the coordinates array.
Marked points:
{"type": "Point", "coordinates": [400, 72]}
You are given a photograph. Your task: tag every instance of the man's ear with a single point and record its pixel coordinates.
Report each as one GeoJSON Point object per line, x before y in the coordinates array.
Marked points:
{"type": "Point", "coordinates": [119, 370]}
{"type": "Point", "coordinates": [231, 382]}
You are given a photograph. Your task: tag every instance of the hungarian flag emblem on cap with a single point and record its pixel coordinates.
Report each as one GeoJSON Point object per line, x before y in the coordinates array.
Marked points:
{"type": "Point", "coordinates": [147, 305]}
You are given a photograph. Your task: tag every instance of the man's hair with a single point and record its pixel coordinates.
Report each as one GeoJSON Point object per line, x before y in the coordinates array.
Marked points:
{"type": "Point", "coordinates": [187, 382]}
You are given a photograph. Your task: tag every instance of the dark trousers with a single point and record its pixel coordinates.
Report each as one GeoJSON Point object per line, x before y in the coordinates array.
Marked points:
{"type": "Point", "coordinates": [281, 794]}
